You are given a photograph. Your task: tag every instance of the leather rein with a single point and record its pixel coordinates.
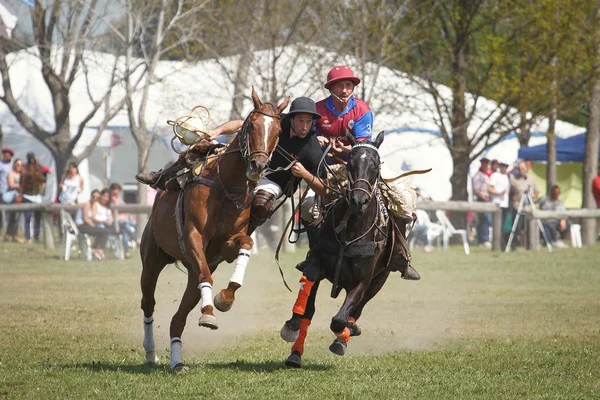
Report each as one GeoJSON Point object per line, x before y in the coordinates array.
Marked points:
{"type": "Point", "coordinates": [247, 154]}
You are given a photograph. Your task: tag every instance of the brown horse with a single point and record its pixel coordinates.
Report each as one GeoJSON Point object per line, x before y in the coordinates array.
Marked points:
{"type": "Point", "coordinates": [352, 249]}
{"type": "Point", "coordinates": [215, 212]}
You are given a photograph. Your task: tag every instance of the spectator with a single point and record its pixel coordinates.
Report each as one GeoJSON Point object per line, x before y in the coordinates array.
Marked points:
{"type": "Point", "coordinates": [494, 164]}
{"type": "Point", "coordinates": [499, 189]}
{"type": "Point", "coordinates": [71, 185]}
{"type": "Point", "coordinates": [86, 225]}
{"type": "Point", "coordinates": [596, 187]}
{"type": "Point", "coordinates": [519, 185]}
{"type": "Point", "coordinates": [13, 190]}
{"type": "Point", "coordinates": [5, 168]}
{"type": "Point", "coordinates": [33, 183]}
{"type": "Point", "coordinates": [126, 224]}
{"type": "Point", "coordinates": [556, 229]}
{"type": "Point", "coordinates": [481, 182]}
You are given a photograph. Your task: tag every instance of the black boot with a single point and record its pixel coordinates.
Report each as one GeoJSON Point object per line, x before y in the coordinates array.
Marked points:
{"type": "Point", "coordinates": [401, 254]}
{"type": "Point", "coordinates": [148, 178]}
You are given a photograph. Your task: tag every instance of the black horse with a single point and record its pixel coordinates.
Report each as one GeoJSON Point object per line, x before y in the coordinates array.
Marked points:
{"type": "Point", "coordinates": [351, 249]}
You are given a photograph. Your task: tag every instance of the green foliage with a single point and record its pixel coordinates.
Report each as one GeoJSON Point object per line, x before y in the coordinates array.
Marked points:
{"type": "Point", "coordinates": [489, 325]}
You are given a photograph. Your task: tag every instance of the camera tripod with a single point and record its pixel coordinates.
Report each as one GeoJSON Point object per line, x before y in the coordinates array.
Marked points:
{"type": "Point", "coordinates": [526, 197]}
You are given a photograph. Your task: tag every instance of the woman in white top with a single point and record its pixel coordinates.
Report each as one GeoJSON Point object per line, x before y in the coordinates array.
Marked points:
{"type": "Point", "coordinates": [86, 224]}
{"type": "Point", "coordinates": [71, 185]}
{"type": "Point", "coordinates": [101, 213]}
{"type": "Point", "coordinates": [14, 184]}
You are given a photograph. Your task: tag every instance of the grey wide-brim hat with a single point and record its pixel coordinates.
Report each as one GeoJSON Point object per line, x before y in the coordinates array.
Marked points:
{"type": "Point", "coordinates": [304, 105]}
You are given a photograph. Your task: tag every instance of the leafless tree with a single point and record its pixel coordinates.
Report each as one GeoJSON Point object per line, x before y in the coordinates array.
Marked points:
{"type": "Point", "coordinates": [63, 32]}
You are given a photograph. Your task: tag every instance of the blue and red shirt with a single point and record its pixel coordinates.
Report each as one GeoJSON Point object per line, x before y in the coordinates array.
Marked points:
{"type": "Point", "coordinates": [357, 117]}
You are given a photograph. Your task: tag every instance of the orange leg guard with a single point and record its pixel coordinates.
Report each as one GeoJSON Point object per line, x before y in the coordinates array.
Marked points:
{"type": "Point", "coordinates": [303, 293]}
{"type": "Point", "coordinates": [344, 335]}
{"type": "Point", "coordinates": [299, 343]}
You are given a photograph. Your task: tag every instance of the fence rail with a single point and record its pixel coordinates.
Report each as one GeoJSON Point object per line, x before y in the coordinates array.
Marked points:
{"type": "Point", "coordinates": [457, 206]}
{"type": "Point", "coordinates": [49, 208]}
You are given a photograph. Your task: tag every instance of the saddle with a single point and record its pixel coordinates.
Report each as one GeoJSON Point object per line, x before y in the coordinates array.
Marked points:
{"type": "Point", "coordinates": [191, 165]}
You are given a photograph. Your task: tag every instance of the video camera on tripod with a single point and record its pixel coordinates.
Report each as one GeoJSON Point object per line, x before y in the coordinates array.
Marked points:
{"type": "Point", "coordinates": [526, 197]}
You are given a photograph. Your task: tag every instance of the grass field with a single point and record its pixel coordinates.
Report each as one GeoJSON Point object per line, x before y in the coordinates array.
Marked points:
{"type": "Point", "coordinates": [487, 326]}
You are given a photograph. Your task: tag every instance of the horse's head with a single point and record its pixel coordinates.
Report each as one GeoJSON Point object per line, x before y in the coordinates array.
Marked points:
{"type": "Point", "coordinates": [259, 135]}
{"type": "Point", "coordinates": [363, 171]}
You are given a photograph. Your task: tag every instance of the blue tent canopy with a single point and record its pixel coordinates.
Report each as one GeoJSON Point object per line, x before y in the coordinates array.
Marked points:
{"type": "Point", "coordinates": [570, 149]}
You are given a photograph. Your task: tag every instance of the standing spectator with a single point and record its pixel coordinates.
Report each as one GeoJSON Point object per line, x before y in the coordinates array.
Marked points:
{"type": "Point", "coordinates": [481, 182]}
{"type": "Point", "coordinates": [556, 229]}
{"type": "Point", "coordinates": [126, 225]}
{"type": "Point", "coordinates": [5, 168]}
{"type": "Point", "coordinates": [71, 185]}
{"type": "Point", "coordinates": [519, 185]}
{"type": "Point", "coordinates": [33, 183]}
{"type": "Point", "coordinates": [499, 188]}
{"type": "Point", "coordinates": [13, 190]}
{"type": "Point", "coordinates": [86, 225]}
{"type": "Point", "coordinates": [494, 164]}
{"type": "Point", "coordinates": [596, 187]}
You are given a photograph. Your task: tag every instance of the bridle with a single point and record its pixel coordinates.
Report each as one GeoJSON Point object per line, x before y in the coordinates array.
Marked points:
{"type": "Point", "coordinates": [243, 139]}
{"type": "Point", "coordinates": [372, 187]}
{"type": "Point", "coordinates": [247, 155]}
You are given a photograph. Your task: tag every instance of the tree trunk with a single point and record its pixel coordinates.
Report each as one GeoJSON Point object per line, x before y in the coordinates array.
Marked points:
{"type": "Point", "coordinates": [240, 84]}
{"type": "Point", "coordinates": [590, 161]}
{"type": "Point", "coordinates": [551, 151]}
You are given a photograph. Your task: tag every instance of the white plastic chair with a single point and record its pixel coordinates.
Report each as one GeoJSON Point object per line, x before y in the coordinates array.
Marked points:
{"type": "Point", "coordinates": [449, 231]}
{"type": "Point", "coordinates": [575, 235]}
{"type": "Point", "coordinates": [72, 235]}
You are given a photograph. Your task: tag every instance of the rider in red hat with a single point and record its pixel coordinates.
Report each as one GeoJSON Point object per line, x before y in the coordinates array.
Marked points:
{"type": "Point", "coordinates": [341, 111]}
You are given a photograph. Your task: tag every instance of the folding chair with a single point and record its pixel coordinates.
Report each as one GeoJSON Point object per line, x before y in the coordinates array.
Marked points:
{"type": "Point", "coordinates": [72, 235]}
{"type": "Point", "coordinates": [449, 231]}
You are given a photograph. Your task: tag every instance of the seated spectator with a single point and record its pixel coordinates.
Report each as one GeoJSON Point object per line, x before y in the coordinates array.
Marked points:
{"type": "Point", "coordinates": [126, 224]}
{"type": "Point", "coordinates": [86, 225]}
{"type": "Point", "coordinates": [424, 230]}
{"type": "Point", "coordinates": [556, 229]}
{"type": "Point", "coordinates": [10, 196]}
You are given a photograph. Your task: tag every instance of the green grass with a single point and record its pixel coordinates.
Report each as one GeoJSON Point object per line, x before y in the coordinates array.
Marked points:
{"type": "Point", "coordinates": [491, 325]}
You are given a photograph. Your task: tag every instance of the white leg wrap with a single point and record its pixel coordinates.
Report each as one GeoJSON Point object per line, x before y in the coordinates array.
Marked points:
{"type": "Point", "coordinates": [149, 344]}
{"type": "Point", "coordinates": [206, 294]}
{"type": "Point", "coordinates": [240, 266]}
{"type": "Point", "coordinates": [175, 351]}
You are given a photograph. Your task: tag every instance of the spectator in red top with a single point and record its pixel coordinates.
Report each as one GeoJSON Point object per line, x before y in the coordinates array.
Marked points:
{"type": "Point", "coordinates": [342, 111]}
{"type": "Point", "coordinates": [596, 187]}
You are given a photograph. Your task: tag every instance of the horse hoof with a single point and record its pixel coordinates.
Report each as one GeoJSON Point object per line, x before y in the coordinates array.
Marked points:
{"type": "Point", "coordinates": [354, 329]}
{"type": "Point", "coordinates": [289, 335]}
{"type": "Point", "coordinates": [338, 347]}
{"type": "Point", "coordinates": [151, 358]}
{"type": "Point", "coordinates": [220, 304]}
{"type": "Point", "coordinates": [294, 361]}
{"type": "Point", "coordinates": [208, 321]}
{"type": "Point", "coordinates": [180, 367]}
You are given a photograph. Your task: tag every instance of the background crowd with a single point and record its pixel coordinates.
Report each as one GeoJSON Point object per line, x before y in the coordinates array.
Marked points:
{"type": "Point", "coordinates": [24, 181]}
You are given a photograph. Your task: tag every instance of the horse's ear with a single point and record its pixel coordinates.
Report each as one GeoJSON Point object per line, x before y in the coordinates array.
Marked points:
{"type": "Point", "coordinates": [283, 105]}
{"type": "Point", "coordinates": [350, 137]}
{"type": "Point", "coordinates": [257, 103]}
{"type": "Point", "coordinates": [379, 139]}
